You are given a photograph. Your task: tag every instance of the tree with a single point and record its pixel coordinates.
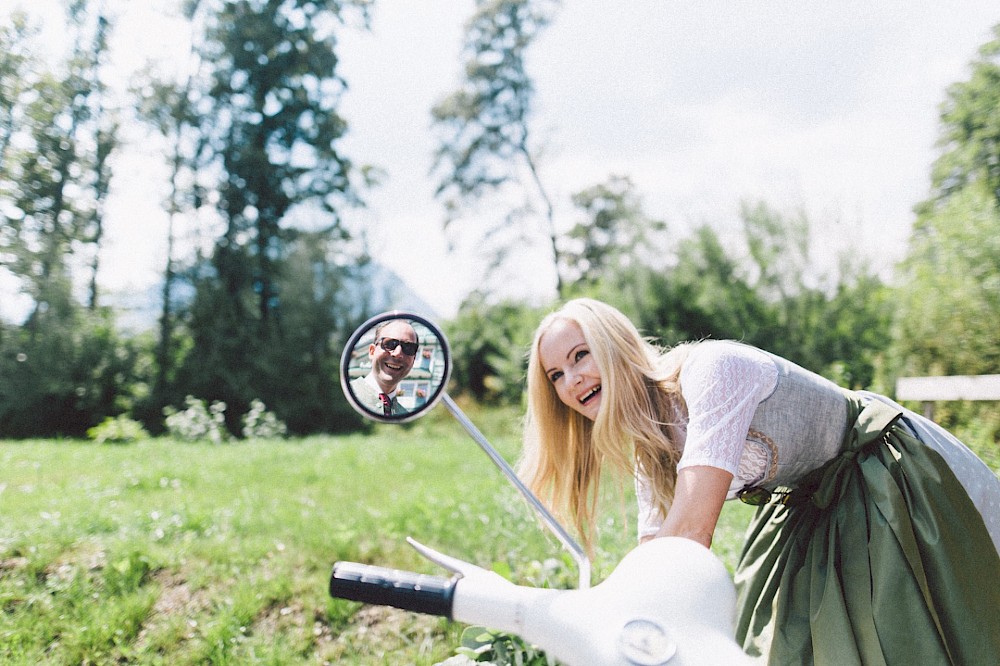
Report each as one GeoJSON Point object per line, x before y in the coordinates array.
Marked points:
{"type": "Point", "coordinates": [170, 107]}
{"type": "Point", "coordinates": [949, 290]}
{"type": "Point", "coordinates": [709, 294]}
{"type": "Point", "coordinates": [274, 129]}
{"type": "Point", "coordinates": [64, 369]}
{"type": "Point", "coordinates": [486, 146]}
{"type": "Point", "coordinates": [779, 249]}
{"type": "Point", "coordinates": [55, 172]}
{"type": "Point", "coordinates": [268, 127]}
{"type": "Point", "coordinates": [65, 377]}
{"type": "Point", "coordinates": [318, 315]}
{"type": "Point", "coordinates": [18, 68]}
{"type": "Point", "coordinates": [100, 131]}
{"type": "Point", "coordinates": [615, 233]}
{"type": "Point", "coordinates": [970, 129]}
{"type": "Point", "coordinates": [488, 344]}
{"type": "Point", "coordinates": [852, 338]}
{"type": "Point", "coordinates": [17, 65]}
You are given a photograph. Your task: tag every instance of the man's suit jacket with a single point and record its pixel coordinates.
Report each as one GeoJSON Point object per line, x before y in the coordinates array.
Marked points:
{"type": "Point", "coordinates": [367, 395]}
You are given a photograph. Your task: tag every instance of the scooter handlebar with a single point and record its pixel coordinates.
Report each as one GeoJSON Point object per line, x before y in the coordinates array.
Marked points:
{"type": "Point", "coordinates": [433, 595]}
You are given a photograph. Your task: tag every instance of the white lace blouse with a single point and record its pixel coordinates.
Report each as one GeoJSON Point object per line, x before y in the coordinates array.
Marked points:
{"type": "Point", "coordinates": [722, 384]}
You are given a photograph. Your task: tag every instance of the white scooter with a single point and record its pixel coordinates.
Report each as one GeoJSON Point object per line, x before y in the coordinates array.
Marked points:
{"type": "Point", "coordinates": [669, 601]}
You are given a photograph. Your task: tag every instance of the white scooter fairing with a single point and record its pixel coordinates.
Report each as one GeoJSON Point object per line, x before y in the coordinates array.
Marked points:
{"type": "Point", "coordinates": [670, 600]}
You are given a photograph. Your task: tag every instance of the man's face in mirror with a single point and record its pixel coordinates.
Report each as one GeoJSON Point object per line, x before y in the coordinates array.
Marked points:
{"type": "Point", "coordinates": [390, 362]}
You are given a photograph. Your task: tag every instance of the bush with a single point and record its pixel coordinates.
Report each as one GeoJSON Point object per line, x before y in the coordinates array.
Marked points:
{"type": "Point", "coordinates": [117, 430]}
{"type": "Point", "coordinates": [485, 646]}
{"type": "Point", "coordinates": [259, 423]}
{"type": "Point", "coordinates": [63, 373]}
{"type": "Point", "coordinates": [197, 422]}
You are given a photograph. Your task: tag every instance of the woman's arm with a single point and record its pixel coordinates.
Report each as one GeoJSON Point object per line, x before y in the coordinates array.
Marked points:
{"type": "Point", "coordinates": [698, 497]}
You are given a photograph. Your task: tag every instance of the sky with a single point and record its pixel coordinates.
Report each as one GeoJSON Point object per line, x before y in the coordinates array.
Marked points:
{"type": "Point", "coordinates": [828, 108]}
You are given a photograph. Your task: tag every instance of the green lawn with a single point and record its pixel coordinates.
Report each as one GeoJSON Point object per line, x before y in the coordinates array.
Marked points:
{"type": "Point", "coordinates": [171, 553]}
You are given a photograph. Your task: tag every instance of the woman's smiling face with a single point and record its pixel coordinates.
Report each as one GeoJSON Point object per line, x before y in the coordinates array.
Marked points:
{"type": "Point", "coordinates": [566, 359]}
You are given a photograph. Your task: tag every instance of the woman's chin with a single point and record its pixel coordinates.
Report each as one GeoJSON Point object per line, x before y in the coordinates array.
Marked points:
{"type": "Point", "coordinates": [590, 410]}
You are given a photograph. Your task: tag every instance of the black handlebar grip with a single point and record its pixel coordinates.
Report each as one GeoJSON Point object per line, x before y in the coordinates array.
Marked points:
{"type": "Point", "coordinates": [410, 591]}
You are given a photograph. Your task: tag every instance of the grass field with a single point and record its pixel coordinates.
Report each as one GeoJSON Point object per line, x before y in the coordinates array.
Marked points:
{"type": "Point", "coordinates": [163, 552]}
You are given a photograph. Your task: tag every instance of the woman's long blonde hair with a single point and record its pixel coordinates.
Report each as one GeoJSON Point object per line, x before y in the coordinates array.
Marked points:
{"type": "Point", "coordinates": [639, 427]}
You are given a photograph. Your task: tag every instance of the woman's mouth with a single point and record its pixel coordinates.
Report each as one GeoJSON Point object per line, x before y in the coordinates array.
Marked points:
{"type": "Point", "coordinates": [590, 395]}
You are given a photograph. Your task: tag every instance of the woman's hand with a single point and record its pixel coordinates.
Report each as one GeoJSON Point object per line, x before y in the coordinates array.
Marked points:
{"type": "Point", "coordinates": [698, 498]}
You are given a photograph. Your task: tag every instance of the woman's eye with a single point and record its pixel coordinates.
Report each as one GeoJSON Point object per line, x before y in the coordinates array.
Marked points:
{"type": "Point", "coordinates": [554, 377]}
{"type": "Point", "coordinates": [580, 354]}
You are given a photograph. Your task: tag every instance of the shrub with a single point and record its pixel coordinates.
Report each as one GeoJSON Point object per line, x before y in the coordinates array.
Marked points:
{"type": "Point", "coordinates": [485, 646]}
{"type": "Point", "coordinates": [259, 423]}
{"type": "Point", "coordinates": [197, 422]}
{"type": "Point", "coordinates": [117, 430]}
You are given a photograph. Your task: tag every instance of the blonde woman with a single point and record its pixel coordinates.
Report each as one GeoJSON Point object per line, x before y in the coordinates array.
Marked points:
{"type": "Point", "coordinates": [876, 529]}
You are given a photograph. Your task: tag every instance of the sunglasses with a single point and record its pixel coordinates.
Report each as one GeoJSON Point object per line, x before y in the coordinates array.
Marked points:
{"type": "Point", "coordinates": [390, 344]}
{"type": "Point", "coordinates": [756, 496]}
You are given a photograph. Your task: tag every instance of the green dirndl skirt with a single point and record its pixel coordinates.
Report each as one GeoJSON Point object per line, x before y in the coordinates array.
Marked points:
{"type": "Point", "coordinates": [878, 557]}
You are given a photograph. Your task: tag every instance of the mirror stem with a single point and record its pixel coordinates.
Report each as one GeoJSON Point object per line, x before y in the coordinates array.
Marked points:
{"type": "Point", "coordinates": [582, 561]}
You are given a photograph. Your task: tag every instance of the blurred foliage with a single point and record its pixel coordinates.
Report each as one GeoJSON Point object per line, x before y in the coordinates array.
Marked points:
{"type": "Point", "coordinates": [65, 374]}
{"type": "Point", "coordinates": [949, 286]}
{"type": "Point", "coordinates": [970, 128]}
{"type": "Point", "coordinates": [486, 150]}
{"type": "Point", "coordinates": [254, 135]}
{"type": "Point", "coordinates": [949, 294]}
{"type": "Point", "coordinates": [119, 429]}
{"type": "Point", "coordinates": [57, 134]}
{"type": "Point", "coordinates": [613, 233]}
{"type": "Point", "coordinates": [489, 344]}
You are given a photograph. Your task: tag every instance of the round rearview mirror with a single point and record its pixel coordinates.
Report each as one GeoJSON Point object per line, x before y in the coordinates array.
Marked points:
{"type": "Point", "coordinates": [395, 367]}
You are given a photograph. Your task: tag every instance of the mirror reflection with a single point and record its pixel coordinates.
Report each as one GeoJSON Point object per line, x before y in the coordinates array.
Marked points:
{"type": "Point", "coordinates": [395, 366]}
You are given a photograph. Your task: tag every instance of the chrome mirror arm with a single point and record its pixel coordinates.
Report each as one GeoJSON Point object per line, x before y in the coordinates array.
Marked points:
{"type": "Point", "coordinates": [578, 554]}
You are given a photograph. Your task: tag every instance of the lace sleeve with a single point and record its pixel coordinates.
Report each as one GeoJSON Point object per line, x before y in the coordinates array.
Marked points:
{"type": "Point", "coordinates": [722, 384]}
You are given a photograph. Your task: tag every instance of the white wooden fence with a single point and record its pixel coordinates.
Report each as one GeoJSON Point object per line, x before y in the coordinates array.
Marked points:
{"type": "Point", "coordinates": [955, 387]}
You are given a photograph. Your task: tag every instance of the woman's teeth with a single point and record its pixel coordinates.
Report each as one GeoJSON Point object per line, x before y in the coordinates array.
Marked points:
{"type": "Point", "coordinates": [590, 394]}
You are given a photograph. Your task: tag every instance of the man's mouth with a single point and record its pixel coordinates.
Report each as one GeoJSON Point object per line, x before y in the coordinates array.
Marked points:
{"type": "Point", "coordinates": [590, 395]}
{"type": "Point", "coordinates": [394, 368]}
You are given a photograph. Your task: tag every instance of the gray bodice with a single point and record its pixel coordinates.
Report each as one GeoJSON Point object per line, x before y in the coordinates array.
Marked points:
{"type": "Point", "coordinates": [802, 423]}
